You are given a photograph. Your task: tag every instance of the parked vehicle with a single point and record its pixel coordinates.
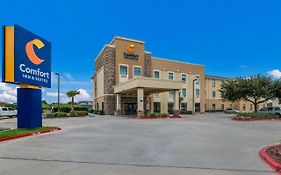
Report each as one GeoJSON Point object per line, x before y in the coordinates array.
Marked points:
{"type": "Point", "coordinates": [7, 112]}
{"type": "Point", "coordinates": [271, 109]}
{"type": "Point", "coordinates": [231, 111]}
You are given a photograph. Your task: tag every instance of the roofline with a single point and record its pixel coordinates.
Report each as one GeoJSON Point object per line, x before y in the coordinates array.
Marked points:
{"type": "Point", "coordinates": [165, 59]}
{"type": "Point", "coordinates": [107, 45]}
{"type": "Point", "coordinates": [128, 39]}
{"type": "Point", "coordinates": [216, 77]}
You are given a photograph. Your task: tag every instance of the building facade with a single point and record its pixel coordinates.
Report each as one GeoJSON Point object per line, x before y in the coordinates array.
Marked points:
{"type": "Point", "coordinates": [129, 80]}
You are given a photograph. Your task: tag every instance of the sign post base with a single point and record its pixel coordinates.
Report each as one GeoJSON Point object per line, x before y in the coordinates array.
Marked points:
{"type": "Point", "coordinates": [29, 107]}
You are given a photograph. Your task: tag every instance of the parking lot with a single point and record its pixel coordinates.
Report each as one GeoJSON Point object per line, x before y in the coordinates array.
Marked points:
{"type": "Point", "coordinates": [201, 144]}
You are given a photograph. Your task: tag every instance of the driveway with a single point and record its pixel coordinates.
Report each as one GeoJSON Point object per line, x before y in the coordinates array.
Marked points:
{"type": "Point", "coordinates": [208, 144]}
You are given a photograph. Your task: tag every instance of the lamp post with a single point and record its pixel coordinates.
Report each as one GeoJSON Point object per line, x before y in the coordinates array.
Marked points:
{"type": "Point", "coordinates": [193, 87]}
{"type": "Point", "coordinates": [57, 74]}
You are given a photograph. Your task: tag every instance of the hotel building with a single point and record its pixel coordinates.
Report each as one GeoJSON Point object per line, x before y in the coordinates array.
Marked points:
{"type": "Point", "coordinates": [128, 80]}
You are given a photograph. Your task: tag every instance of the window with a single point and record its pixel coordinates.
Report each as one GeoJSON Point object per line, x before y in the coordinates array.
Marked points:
{"type": "Point", "coordinates": [183, 77]}
{"type": "Point", "coordinates": [184, 106]}
{"type": "Point", "coordinates": [214, 94]}
{"type": "Point", "coordinates": [137, 71]}
{"type": "Point", "coordinates": [222, 82]}
{"type": "Point", "coordinates": [156, 74]}
{"type": "Point", "coordinates": [157, 107]}
{"type": "Point", "coordinates": [213, 106]}
{"type": "Point", "coordinates": [184, 92]}
{"type": "Point", "coordinates": [214, 83]}
{"type": "Point", "coordinates": [197, 92]}
{"type": "Point", "coordinates": [244, 107]}
{"type": "Point", "coordinates": [171, 93]}
{"type": "Point", "coordinates": [251, 107]}
{"type": "Point", "coordinates": [123, 70]}
{"type": "Point", "coordinates": [171, 76]}
{"type": "Point", "coordinates": [197, 79]}
{"type": "Point", "coordinates": [222, 106]}
{"type": "Point", "coordinates": [170, 107]}
{"type": "Point", "coordinates": [4, 109]}
{"type": "Point", "coordinates": [230, 106]}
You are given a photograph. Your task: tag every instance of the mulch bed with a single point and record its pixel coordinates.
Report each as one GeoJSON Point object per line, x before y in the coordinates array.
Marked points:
{"type": "Point", "coordinates": [275, 153]}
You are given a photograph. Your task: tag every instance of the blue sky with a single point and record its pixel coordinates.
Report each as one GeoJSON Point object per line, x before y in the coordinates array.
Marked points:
{"type": "Point", "coordinates": [231, 38]}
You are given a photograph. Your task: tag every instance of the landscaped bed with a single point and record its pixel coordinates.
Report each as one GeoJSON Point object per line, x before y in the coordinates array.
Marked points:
{"type": "Point", "coordinates": [255, 116]}
{"type": "Point", "coordinates": [18, 133]}
{"type": "Point", "coordinates": [158, 116]}
{"type": "Point", "coordinates": [275, 153]}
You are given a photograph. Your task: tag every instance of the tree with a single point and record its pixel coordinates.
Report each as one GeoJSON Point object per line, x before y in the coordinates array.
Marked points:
{"type": "Point", "coordinates": [72, 94]}
{"type": "Point", "coordinates": [255, 89]}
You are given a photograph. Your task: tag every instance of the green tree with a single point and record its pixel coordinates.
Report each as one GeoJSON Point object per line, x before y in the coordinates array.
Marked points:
{"type": "Point", "coordinates": [255, 89]}
{"type": "Point", "coordinates": [72, 94]}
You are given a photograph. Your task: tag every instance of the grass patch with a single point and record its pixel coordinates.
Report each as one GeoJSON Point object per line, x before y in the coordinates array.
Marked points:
{"type": "Point", "coordinates": [255, 116]}
{"type": "Point", "coordinates": [19, 132]}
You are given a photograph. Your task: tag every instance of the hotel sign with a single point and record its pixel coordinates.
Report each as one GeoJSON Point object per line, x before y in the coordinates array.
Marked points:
{"type": "Point", "coordinates": [27, 58]}
{"type": "Point", "coordinates": [130, 53]}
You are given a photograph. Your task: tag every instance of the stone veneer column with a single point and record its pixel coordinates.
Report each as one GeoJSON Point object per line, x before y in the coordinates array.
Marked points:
{"type": "Point", "coordinates": [176, 111]}
{"type": "Point", "coordinates": [140, 111]}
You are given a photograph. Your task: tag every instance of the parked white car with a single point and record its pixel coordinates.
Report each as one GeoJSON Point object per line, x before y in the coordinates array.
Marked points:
{"type": "Point", "coordinates": [231, 111]}
{"type": "Point", "coordinates": [272, 110]}
{"type": "Point", "coordinates": [7, 112]}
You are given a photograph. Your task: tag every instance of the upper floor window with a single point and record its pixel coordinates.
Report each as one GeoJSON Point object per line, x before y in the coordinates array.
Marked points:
{"type": "Point", "coordinates": [123, 70]}
{"type": "Point", "coordinates": [214, 83]}
{"type": "Point", "coordinates": [197, 92]}
{"type": "Point", "coordinates": [214, 94]}
{"type": "Point", "coordinates": [156, 74]}
{"type": "Point", "coordinates": [171, 93]}
{"type": "Point", "coordinates": [222, 82]}
{"type": "Point", "coordinates": [184, 92]}
{"type": "Point", "coordinates": [183, 77]}
{"type": "Point", "coordinates": [171, 76]}
{"type": "Point", "coordinates": [137, 71]}
{"type": "Point", "coordinates": [197, 79]}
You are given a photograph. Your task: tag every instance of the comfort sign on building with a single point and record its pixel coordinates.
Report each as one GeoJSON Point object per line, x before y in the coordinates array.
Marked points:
{"type": "Point", "coordinates": [27, 58]}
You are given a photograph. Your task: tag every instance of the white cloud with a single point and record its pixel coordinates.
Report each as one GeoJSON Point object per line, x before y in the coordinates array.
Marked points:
{"type": "Point", "coordinates": [54, 94]}
{"type": "Point", "coordinates": [275, 73]}
{"type": "Point", "coordinates": [8, 93]}
{"type": "Point", "coordinates": [68, 76]}
{"type": "Point", "coordinates": [84, 95]}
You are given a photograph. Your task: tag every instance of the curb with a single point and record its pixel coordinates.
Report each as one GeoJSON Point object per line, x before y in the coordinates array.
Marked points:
{"type": "Point", "coordinates": [27, 135]}
{"type": "Point", "coordinates": [276, 166]}
{"type": "Point", "coordinates": [258, 120]}
{"type": "Point", "coordinates": [153, 118]}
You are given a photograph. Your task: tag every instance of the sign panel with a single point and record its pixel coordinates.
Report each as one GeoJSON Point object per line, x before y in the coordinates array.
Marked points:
{"type": "Point", "coordinates": [27, 58]}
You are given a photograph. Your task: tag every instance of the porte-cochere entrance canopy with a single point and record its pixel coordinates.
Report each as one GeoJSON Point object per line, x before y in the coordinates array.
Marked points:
{"type": "Point", "coordinates": [141, 86]}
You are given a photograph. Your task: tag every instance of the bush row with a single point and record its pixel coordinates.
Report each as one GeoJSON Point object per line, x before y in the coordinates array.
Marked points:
{"type": "Point", "coordinates": [215, 110]}
{"type": "Point", "coordinates": [185, 112]}
{"type": "Point", "coordinates": [158, 114]}
{"type": "Point", "coordinates": [99, 112]}
{"type": "Point", "coordinates": [66, 109]}
{"type": "Point", "coordinates": [64, 114]}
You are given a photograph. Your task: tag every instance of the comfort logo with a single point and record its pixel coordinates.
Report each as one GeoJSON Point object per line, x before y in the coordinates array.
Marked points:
{"type": "Point", "coordinates": [131, 48]}
{"type": "Point", "coordinates": [31, 53]}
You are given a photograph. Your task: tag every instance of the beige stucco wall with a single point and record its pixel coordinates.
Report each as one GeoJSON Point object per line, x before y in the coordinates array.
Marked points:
{"type": "Point", "coordinates": [178, 68]}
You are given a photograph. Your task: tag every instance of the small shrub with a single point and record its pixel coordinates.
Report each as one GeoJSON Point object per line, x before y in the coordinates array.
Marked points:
{"type": "Point", "coordinates": [61, 114]}
{"type": "Point", "coordinates": [100, 112]}
{"type": "Point", "coordinates": [163, 114]}
{"type": "Point", "coordinates": [50, 115]}
{"type": "Point", "coordinates": [81, 113]}
{"type": "Point", "coordinates": [185, 112]}
{"type": "Point", "coordinates": [152, 114]}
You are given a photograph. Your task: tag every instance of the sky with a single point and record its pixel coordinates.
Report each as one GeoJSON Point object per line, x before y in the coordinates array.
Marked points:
{"type": "Point", "coordinates": [231, 38]}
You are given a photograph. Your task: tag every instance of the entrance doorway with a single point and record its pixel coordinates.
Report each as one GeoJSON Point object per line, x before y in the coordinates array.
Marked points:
{"type": "Point", "coordinates": [130, 108]}
{"type": "Point", "coordinates": [197, 107]}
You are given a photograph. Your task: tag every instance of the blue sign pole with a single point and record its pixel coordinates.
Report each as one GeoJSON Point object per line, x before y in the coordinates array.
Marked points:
{"type": "Point", "coordinates": [29, 108]}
